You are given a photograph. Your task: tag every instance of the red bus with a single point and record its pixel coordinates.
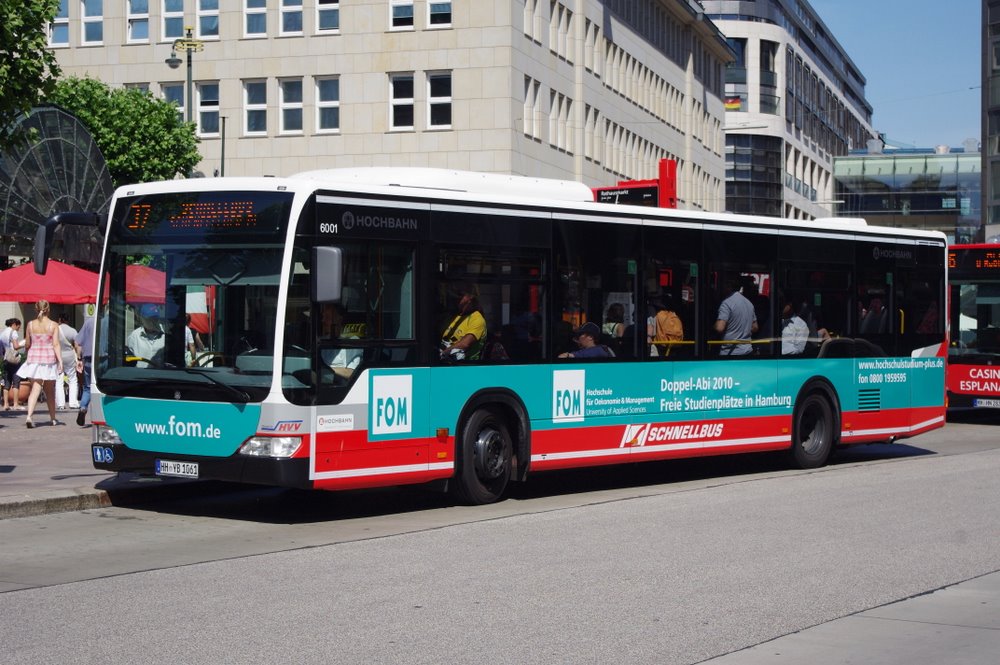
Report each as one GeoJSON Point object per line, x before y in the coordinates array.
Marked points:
{"type": "Point", "coordinates": [973, 374]}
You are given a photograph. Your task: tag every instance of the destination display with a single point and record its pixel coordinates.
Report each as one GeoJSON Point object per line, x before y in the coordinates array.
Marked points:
{"type": "Point", "coordinates": [202, 213]}
{"type": "Point", "coordinates": [974, 261]}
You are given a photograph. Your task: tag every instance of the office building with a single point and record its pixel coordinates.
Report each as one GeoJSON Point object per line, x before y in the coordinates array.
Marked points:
{"type": "Point", "coordinates": [590, 90]}
{"type": "Point", "coordinates": [794, 102]}
{"type": "Point", "coordinates": [937, 189]}
{"type": "Point", "coordinates": [991, 119]}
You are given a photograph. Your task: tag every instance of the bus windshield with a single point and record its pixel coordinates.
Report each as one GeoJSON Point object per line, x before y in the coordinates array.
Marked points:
{"type": "Point", "coordinates": [189, 296]}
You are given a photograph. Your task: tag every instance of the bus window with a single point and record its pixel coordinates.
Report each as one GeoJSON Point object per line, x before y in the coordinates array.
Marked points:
{"type": "Point", "coordinates": [669, 324]}
{"type": "Point", "coordinates": [495, 295]}
{"type": "Point", "coordinates": [597, 266]}
{"type": "Point", "coordinates": [740, 264]}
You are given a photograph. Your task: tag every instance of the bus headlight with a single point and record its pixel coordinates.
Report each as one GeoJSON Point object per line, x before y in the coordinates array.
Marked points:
{"type": "Point", "coordinates": [106, 435]}
{"type": "Point", "coordinates": [271, 446]}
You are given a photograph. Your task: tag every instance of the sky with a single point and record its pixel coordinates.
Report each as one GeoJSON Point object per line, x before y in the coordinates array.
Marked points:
{"type": "Point", "coordinates": [922, 62]}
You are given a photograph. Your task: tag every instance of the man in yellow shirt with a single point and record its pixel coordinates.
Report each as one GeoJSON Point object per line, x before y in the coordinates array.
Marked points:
{"type": "Point", "coordinates": [464, 337]}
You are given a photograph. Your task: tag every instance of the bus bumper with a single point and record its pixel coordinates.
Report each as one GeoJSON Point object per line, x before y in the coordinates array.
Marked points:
{"type": "Point", "coordinates": [279, 472]}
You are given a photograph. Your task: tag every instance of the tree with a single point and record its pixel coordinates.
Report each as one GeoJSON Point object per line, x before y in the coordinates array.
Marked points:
{"type": "Point", "coordinates": [142, 137]}
{"type": "Point", "coordinates": [28, 69]}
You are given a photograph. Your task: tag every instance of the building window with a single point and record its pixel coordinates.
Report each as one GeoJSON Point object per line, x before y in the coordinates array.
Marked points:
{"type": "Point", "coordinates": [560, 112]}
{"type": "Point", "coordinates": [208, 19]}
{"type": "Point", "coordinates": [291, 106]}
{"type": "Point", "coordinates": [255, 22]}
{"type": "Point", "coordinates": [328, 104]}
{"type": "Point", "coordinates": [255, 108]}
{"type": "Point", "coordinates": [174, 92]}
{"type": "Point", "coordinates": [401, 94]}
{"type": "Point", "coordinates": [439, 14]}
{"type": "Point", "coordinates": [173, 19]}
{"type": "Point", "coordinates": [291, 17]}
{"type": "Point", "coordinates": [327, 15]}
{"type": "Point", "coordinates": [59, 28]}
{"type": "Point", "coordinates": [401, 14]}
{"type": "Point", "coordinates": [532, 90]}
{"type": "Point", "coordinates": [439, 100]}
{"type": "Point", "coordinates": [93, 21]}
{"type": "Point", "coordinates": [138, 21]}
{"type": "Point", "coordinates": [208, 109]}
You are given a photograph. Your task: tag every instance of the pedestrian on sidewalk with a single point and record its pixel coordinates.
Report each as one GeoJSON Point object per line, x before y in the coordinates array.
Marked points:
{"type": "Point", "coordinates": [10, 350]}
{"type": "Point", "coordinates": [68, 336]}
{"type": "Point", "coordinates": [84, 350]}
{"type": "Point", "coordinates": [44, 362]}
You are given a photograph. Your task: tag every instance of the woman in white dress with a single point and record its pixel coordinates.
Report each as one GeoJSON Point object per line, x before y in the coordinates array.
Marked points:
{"type": "Point", "coordinates": [43, 366]}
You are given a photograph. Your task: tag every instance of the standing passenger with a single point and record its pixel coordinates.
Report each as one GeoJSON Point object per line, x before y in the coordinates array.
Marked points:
{"type": "Point", "coordinates": [737, 320]}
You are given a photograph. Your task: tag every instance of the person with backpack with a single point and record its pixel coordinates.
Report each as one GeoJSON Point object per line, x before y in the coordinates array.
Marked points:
{"type": "Point", "coordinates": [667, 328]}
{"type": "Point", "coordinates": [10, 347]}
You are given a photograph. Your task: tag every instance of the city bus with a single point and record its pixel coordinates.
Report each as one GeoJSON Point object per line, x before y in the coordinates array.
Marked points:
{"type": "Point", "coordinates": [973, 375]}
{"type": "Point", "coordinates": [329, 297]}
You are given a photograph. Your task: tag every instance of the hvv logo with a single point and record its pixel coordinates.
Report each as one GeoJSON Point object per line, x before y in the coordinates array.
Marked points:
{"type": "Point", "coordinates": [567, 395]}
{"type": "Point", "coordinates": [392, 400]}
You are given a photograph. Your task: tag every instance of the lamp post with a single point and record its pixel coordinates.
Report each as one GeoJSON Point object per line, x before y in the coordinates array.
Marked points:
{"type": "Point", "coordinates": [187, 43]}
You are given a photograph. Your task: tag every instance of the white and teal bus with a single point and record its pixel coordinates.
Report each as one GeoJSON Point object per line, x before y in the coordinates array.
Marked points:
{"type": "Point", "coordinates": [322, 300]}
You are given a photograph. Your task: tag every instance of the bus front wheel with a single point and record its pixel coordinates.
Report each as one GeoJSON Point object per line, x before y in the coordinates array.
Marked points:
{"type": "Point", "coordinates": [813, 431]}
{"type": "Point", "coordinates": [484, 459]}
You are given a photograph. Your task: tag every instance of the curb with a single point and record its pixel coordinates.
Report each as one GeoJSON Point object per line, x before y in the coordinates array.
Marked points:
{"type": "Point", "coordinates": [126, 489]}
{"type": "Point", "coordinates": [54, 501]}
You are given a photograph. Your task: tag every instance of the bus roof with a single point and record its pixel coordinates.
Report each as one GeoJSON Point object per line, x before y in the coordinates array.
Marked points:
{"type": "Point", "coordinates": [468, 186]}
{"type": "Point", "coordinates": [451, 180]}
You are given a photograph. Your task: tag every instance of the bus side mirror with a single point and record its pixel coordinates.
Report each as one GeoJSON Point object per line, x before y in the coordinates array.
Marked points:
{"type": "Point", "coordinates": [46, 232]}
{"type": "Point", "coordinates": [327, 274]}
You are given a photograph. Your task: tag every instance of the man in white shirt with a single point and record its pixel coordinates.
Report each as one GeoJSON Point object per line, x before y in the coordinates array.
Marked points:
{"type": "Point", "coordinates": [146, 341]}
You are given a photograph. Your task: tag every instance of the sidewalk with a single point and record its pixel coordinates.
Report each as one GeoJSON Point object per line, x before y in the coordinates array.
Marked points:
{"type": "Point", "coordinates": [48, 469]}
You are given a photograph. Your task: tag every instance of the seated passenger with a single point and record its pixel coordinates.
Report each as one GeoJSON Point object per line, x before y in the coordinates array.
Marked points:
{"type": "Point", "coordinates": [464, 337]}
{"type": "Point", "coordinates": [794, 332]}
{"type": "Point", "coordinates": [586, 337]}
{"type": "Point", "coordinates": [342, 361]}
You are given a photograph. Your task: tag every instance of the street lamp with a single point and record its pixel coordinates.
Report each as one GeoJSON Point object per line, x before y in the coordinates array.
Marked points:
{"type": "Point", "coordinates": [189, 44]}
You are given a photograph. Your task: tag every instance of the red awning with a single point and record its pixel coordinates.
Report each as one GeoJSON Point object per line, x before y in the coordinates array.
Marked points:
{"type": "Point", "coordinates": [144, 284]}
{"type": "Point", "coordinates": [61, 284]}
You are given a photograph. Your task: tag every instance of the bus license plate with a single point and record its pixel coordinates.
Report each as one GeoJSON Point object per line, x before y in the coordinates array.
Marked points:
{"type": "Point", "coordinates": [182, 469]}
{"type": "Point", "coordinates": [987, 403]}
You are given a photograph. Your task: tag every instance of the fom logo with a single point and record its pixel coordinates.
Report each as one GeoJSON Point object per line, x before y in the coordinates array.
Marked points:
{"type": "Point", "coordinates": [567, 395]}
{"type": "Point", "coordinates": [391, 404]}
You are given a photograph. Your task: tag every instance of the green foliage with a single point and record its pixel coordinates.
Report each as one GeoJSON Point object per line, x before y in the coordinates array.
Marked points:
{"type": "Point", "coordinates": [28, 69]}
{"type": "Point", "coordinates": [142, 137]}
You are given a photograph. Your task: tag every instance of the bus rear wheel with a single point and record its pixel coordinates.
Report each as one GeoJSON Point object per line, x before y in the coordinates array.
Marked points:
{"type": "Point", "coordinates": [813, 431]}
{"type": "Point", "coordinates": [484, 459]}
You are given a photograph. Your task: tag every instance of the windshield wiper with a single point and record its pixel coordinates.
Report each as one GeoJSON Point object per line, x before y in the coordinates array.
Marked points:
{"type": "Point", "coordinates": [244, 396]}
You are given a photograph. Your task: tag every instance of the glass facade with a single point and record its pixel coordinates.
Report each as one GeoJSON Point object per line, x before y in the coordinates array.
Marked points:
{"type": "Point", "coordinates": [940, 192]}
{"type": "Point", "coordinates": [754, 174]}
{"type": "Point", "coordinates": [991, 117]}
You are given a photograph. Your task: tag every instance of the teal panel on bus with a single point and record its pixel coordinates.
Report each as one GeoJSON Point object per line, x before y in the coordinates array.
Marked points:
{"type": "Point", "coordinates": [212, 429]}
{"type": "Point", "coordinates": [579, 394]}
{"type": "Point", "coordinates": [927, 379]}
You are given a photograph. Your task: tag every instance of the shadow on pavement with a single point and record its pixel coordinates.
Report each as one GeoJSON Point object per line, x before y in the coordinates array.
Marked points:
{"type": "Point", "coordinates": [290, 506]}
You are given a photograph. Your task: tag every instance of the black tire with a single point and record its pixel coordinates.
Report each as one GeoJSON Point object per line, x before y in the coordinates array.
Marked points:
{"type": "Point", "coordinates": [813, 431]}
{"type": "Point", "coordinates": [485, 458]}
